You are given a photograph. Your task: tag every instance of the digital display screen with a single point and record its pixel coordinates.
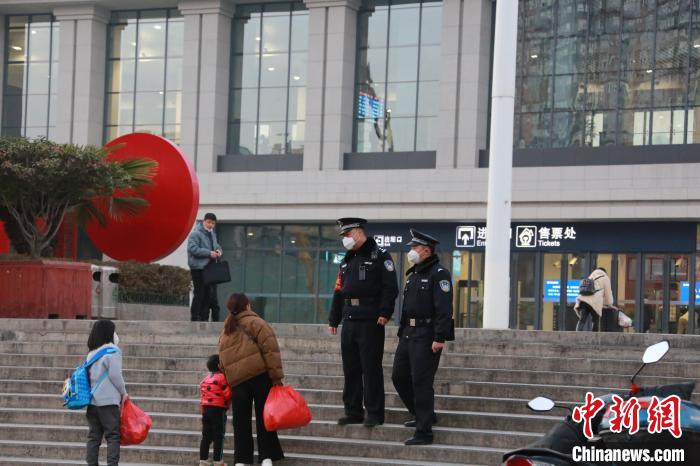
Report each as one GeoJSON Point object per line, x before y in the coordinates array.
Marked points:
{"type": "Point", "coordinates": [369, 106]}
{"type": "Point", "coordinates": [552, 289]}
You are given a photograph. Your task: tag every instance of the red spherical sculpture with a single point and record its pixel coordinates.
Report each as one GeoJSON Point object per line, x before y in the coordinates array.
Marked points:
{"type": "Point", "coordinates": [173, 202]}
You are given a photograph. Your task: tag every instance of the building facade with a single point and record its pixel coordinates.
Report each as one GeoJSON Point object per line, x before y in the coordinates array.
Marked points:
{"type": "Point", "coordinates": [297, 113]}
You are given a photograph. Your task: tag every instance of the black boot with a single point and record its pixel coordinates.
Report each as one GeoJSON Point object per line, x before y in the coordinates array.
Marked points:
{"type": "Point", "coordinates": [419, 439]}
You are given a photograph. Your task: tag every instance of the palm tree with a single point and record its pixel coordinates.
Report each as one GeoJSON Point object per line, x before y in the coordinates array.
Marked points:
{"type": "Point", "coordinates": [42, 182]}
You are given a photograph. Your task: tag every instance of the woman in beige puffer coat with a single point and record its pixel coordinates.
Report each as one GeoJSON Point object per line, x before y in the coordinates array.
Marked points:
{"type": "Point", "coordinates": [602, 298]}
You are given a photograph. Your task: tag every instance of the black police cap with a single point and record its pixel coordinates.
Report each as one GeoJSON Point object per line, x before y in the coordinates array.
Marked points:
{"type": "Point", "coordinates": [348, 223]}
{"type": "Point", "coordinates": [418, 238]}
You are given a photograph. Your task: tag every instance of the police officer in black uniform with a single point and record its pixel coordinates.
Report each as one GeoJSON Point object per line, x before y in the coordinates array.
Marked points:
{"type": "Point", "coordinates": [425, 324]}
{"type": "Point", "coordinates": [364, 297]}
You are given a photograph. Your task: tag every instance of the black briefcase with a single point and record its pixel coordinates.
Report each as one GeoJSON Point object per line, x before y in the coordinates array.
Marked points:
{"type": "Point", "coordinates": [216, 272]}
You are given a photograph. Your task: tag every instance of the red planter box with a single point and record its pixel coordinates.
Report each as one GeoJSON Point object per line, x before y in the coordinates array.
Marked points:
{"type": "Point", "coordinates": [44, 289]}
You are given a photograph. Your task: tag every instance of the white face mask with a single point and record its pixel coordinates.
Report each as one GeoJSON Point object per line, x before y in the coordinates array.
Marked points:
{"type": "Point", "coordinates": [116, 339]}
{"type": "Point", "coordinates": [413, 257]}
{"type": "Point", "coordinates": [348, 242]}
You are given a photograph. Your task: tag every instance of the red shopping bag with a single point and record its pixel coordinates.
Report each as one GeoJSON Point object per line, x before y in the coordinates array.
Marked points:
{"type": "Point", "coordinates": [135, 424]}
{"type": "Point", "coordinates": [285, 408]}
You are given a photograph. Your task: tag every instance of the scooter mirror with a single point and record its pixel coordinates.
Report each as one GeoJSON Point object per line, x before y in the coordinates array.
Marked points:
{"type": "Point", "coordinates": [654, 353]}
{"type": "Point", "coordinates": [540, 404]}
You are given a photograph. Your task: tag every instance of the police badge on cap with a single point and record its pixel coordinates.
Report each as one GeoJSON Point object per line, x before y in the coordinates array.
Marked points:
{"type": "Point", "coordinates": [422, 239]}
{"type": "Point", "coordinates": [348, 223]}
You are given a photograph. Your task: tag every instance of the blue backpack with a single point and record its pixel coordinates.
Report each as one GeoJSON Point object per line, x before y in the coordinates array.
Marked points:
{"type": "Point", "coordinates": [76, 389]}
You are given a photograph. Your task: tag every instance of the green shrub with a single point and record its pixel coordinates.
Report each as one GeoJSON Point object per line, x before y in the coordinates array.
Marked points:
{"type": "Point", "coordinates": [152, 283]}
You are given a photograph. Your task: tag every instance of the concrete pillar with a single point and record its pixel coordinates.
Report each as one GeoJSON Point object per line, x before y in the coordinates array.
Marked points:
{"type": "Point", "coordinates": [464, 82]}
{"type": "Point", "coordinates": [498, 209]}
{"type": "Point", "coordinates": [205, 80]}
{"type": "Point", "coordinates": [81, 73]}
{"type": "Point", "coordinates": [330, 82]}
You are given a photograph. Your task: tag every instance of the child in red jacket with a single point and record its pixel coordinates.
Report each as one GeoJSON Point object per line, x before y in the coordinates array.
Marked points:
{"type": "Point", "coordinates": [215, 399]}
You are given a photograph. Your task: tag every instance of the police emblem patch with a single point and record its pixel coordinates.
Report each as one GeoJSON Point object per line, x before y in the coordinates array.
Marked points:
{"type": "Point", "coordinates": [389, 265]}
{"type": "Point", "coordinates": [445, 285]}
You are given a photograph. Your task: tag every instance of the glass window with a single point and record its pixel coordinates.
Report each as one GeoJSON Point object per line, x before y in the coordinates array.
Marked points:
{"type": "Point", "coordinates": [612, 63]}
{"type": "Point", "coordinates": [288, 271]}
{"type": "Point", "coordinates": [397, 76]}
{"type": "Point", "coordinates": [668, 126]}
{"type": "Point", "coordinates": [31, 61]}
{"type": "Point", "coordinates": [268, 79]}
{"type": "Point", "coordinates": [144, 73]}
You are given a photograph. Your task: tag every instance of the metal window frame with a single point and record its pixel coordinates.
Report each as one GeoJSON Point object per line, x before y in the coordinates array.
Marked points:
{"type": "Point", "coordinates": [358, 50]}
{"type": "Point", "coordinates": [25, 81]}
{"type": "Point", "coordinates": [170, 13]}
{"type": "Point", "coordinates": [292, 6]}
{"type": "Point", "coordinates": [618, 109]}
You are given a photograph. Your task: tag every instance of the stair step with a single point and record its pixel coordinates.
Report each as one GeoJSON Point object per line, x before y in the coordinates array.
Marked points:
{"type": "Point", "coordinates": [321, 397]}
{"type": "Point", "coordinates": [336, 449]}
{"type": "Point", "coordinates": [501, 439]}
{"type": "Point", "coordinates": [192, 421]}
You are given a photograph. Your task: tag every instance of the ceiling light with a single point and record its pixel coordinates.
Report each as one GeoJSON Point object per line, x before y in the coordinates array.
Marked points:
{"type": "Point", "coordinates": [297, 78]}
{"type": "Point", "coordinates": [133, 44]}
{"type": "Point", "coordinates": [158, 26]}
{"type": "Point", "coordinates": [696, 46]}
{"type": "Point", "coordinates": [649, 71]}
{"type": "Point", "coordinates": [250, 233]}
{"type": "Point", "coordinates": [33, 31]}
{"type": "Point", "coordinates": [15, 47]}
{"type": "Point", "coordinates": [534, 55]}
{"type": "Point", "coordinates": [257, 38]}
{"type": "Point", "coordinates": [272, 68]}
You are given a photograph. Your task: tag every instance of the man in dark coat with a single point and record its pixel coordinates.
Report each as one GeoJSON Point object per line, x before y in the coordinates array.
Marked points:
{"type": "Point", "coordinates": [364, 297]}
{"type": "Point", "coordinates": [425, 323]}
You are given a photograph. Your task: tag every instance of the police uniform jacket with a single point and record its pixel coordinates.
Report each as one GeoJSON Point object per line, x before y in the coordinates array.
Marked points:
{"type": "Point", "coordinates": [367, 276]}
{"type": "Point", "coordinates": [428, 295]}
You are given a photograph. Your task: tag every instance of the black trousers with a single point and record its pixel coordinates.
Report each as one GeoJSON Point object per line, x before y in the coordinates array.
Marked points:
{"type": "Point", "coordinates": [103, 422]}
{"type": "Point", "coordinates": [585, 309]}
{"type": "Point", "coordinates": [204, 298]}
{"type": "Point", "coordinates": [413, 375]}
{"type": "Point", "coordinates": [213, 431]}
{"type": "Point", "coordinates": [362, 348]}
{"type": "Point", "coordinates": [243, 396]}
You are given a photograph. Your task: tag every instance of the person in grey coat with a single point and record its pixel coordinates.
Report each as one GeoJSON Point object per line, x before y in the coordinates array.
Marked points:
{"type": "Point", "coordinates": [103, 413]}
{"type": "Point", "coordinates": [203, 247]}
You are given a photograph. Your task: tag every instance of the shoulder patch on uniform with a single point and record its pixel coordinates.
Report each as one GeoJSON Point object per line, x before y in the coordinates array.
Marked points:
{"type": "Point", "coordinates": [389, 265]}
{"type": "Point", "coordinates": [445, 285]}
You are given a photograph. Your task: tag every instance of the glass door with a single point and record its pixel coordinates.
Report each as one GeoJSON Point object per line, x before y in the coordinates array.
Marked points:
{"type": "Point", "coordinates": [679, 293]}
{"type": "Point", "coordinates": [524, 290]}
{"type": "Point", "coordinates": [653, 293]}
{"type": "Point", "coordinates": [460, 276]}
{"type": "Point", "coordinates": [626, 289]}
{"type": "Point", "coordinates": [551, 290]}
{"type": "Point", "coordinates": [468, 275]}
{"type": "Point", "coordinates": [476, 291]}
{"type": "Point", "coordinates": [576, 270]}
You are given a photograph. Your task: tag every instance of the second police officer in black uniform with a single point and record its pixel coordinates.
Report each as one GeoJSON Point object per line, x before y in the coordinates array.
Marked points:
{"type": "Point", "coordinates": [364, 297]}
{"type": "Point", "coordinates": [425, 324]}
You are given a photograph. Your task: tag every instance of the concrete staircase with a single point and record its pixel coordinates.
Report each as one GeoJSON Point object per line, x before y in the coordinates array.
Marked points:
{"type": "Point", "coordinates": [483, 384]}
